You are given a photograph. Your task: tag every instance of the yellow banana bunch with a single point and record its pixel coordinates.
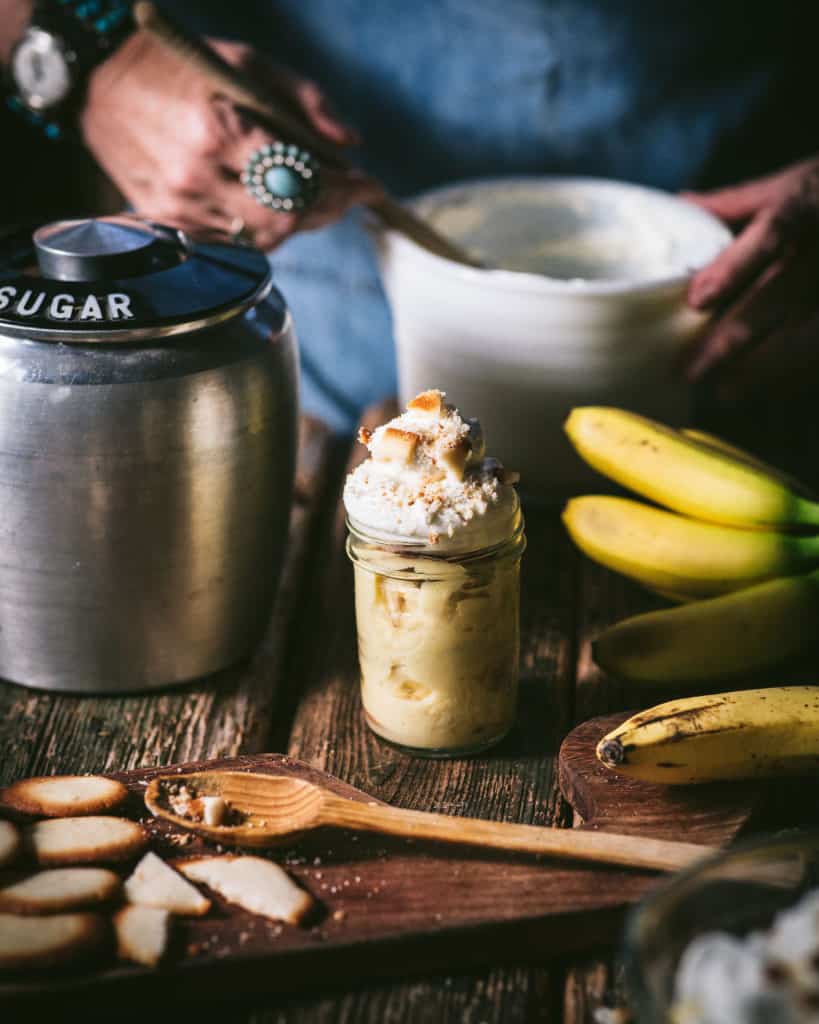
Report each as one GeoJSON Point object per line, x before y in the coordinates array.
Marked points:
{"type": "Point", "coordinates": [685, 474]}
{"type": "Point", "coordinates": [730, 637]}
{"type": "Point", "coordinates": [686, 557]}
{"type": "Point", "coordinates": [738, 550]}
{"type": "Point", "coordinates": [750, 734]}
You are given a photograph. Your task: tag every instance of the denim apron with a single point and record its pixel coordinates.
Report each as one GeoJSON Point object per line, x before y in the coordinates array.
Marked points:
{"type": "Point", "coordinates": [674, 94]}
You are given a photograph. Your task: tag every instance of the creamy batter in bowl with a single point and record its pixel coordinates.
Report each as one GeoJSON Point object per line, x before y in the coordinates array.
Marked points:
{"type": "Point", "coordinates": [584, 304]}
{"type": "Point", "coordinates": [437, 583]}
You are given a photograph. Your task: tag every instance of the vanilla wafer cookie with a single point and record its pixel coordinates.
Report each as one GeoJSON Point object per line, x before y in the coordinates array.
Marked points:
{"type": "Point", "coordinates": [63, 796]}
{"type": "Point", "coordinates": [9, 842]}
{"type": "Point", "coordinates": [59, 890]}
{"type": "Point", "coordinates": [89, 840]}
{"type": "Point", "coordinates": [29, 942]}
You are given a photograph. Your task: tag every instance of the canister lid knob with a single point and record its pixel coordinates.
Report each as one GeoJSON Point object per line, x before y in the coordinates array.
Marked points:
{"type": "Point", "coordinates": [104, 248]}
{"type": "Point", "coordinates": [126, 279]}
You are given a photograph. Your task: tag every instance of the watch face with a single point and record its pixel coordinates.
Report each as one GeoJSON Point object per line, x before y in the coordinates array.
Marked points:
{"type": "Point", "coordinates": [41, 69]}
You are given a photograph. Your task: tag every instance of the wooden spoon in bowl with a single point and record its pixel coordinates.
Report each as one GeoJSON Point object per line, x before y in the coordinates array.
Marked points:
{"type": "Point", "coordinates": [273, 809]}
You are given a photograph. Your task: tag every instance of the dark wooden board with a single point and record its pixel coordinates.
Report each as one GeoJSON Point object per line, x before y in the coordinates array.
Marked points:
{"type": "Point", "coordinates": [398, 905]}
{"type": "Point", "coordinates": [387, 906]}
{"type": "Point", "coordinates": [712, 814]}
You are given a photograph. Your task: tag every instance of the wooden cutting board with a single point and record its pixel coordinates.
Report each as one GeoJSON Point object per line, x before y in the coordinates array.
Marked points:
{"type": "Point", "coordinates": [711, 815]}
{"type": "Point", "coordinates": [395, 906]}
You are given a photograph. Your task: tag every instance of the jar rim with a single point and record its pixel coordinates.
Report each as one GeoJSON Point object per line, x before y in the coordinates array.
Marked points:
{"type": "Point", "coordinates": [512, 545]}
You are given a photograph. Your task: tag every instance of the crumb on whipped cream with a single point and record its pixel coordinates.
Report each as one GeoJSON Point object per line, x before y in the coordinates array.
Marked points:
{"type": "Point", "coordinates": [428, 478]}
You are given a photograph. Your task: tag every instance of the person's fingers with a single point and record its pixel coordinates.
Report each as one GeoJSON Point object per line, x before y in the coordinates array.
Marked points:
{"type": "Point", "coordinates": [782, 366]}
{"type": "Point", "coordinates": [198, 216]}
{"type": "Point", "coordinates": [267, 228]}
{"type": "Point", "coordinates": [297, 93]}
{"type": "Point", "coordinates": [308, 99]}
{"type": "Point", "coordinates": [219, 201]}
{"type": "Point", "coordinates": [359, 186]}
{"type": "Point", "coordinates": [738, 202]}
{"type": "Point", "coordinates": [321, 114]}
{"type": "Point", "coordinates": [736, 328]}
{"type": "Point", "coordinates": [338, 190]}
{"type": "Point", "coordinates": [338, 193]}
{"type": "Point", "coordinates": [270, 227]}
{"type": "Point", "coordinates": [762, 241]}
{"type": "Point", "coordinates": [771, 299]}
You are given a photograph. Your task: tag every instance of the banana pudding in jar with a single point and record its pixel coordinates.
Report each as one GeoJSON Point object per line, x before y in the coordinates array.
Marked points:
{"type": "Point", "coordinates": [435, 537]}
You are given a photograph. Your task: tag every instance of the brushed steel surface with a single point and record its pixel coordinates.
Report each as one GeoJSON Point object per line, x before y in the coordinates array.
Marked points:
{"type": "Point", "coordinates": [144, 503]}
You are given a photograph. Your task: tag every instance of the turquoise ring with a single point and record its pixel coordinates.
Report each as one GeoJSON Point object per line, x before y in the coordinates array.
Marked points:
{"type": "Point", "coordinates": [282, 177]}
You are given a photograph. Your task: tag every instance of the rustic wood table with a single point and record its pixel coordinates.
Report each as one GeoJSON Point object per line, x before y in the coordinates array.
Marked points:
{"type": "Point", "coordinates": [299, 695]}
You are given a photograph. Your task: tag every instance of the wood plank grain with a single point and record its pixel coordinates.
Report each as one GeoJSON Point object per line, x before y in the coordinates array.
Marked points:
{"type": "Point", "coordinates": [499, 995]}
{"type": "Point", "coordinates": [515, 782]}
{"type": "Point", "coordinates": [230, 713]}
{"type": "Point", "coordinates": [605, 598]}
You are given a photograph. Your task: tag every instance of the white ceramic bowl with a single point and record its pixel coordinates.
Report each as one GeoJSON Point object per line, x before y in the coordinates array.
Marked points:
{"type": "Point", "coordinates": [519, 350]}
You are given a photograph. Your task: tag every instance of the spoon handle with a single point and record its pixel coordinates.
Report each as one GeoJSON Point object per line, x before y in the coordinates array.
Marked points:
{"type": "Point", "coordinates": [564, 843]}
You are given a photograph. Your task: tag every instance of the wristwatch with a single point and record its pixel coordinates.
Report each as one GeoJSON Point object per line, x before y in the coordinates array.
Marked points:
{"type": "Point", "coordinates": [51, 64]}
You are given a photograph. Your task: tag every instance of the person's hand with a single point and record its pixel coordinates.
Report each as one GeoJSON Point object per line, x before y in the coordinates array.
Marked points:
{"type": "Point", "coordinates": [176, 151]}
{"type": "Point", "coordinates": [763, 286]}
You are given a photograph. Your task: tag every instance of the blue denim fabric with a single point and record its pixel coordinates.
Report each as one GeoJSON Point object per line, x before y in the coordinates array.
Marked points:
{"type": "Point", "coordinates": [670, 94]}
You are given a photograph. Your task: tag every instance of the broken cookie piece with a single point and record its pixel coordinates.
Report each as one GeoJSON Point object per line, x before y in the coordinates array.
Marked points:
{"type": "Point", "coordinates": [156, 884]}
{"type": "Point", "coordinates": [430, 403]}
{"type": "Point", "coordinates": [455, 457]}
{"type": "Point", "coordinates": [214, 810]}
{"type": "Point", "coordinates": [253, 883]}
{"type": "Point", "coordinates": [142, 934]}
{"type": "Point", "coordinates": [393, 445]}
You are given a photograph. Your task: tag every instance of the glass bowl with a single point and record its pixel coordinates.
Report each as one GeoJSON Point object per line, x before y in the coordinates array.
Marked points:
{"type": "Point", "coordinates": [737, 891]}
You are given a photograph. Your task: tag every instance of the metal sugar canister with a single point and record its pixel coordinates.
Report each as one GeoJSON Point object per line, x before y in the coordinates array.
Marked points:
{"type": "Point", "coordinates": [147, 452]}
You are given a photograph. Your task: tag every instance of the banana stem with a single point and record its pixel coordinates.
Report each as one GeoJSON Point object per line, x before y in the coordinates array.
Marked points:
{"type": "Point", "coordinates": [807, 512]}
{"type": "Point", "coordinates": [808, 548]}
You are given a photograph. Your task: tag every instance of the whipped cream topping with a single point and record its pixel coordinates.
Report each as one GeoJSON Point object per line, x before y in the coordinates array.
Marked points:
{"type": "Point", "coordinates": [765, 976]}
{"type": "Point", "coordinates": [428, 480]}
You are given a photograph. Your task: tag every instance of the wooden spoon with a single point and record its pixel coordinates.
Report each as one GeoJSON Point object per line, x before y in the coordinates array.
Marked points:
{"type": "Point", "coordinates": [278, 808]}
{"type": "Point", "coordinates": [287, 121]}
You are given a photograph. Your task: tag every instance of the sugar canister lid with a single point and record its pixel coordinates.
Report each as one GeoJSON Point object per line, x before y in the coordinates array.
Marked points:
{"type": "Point", "coordinates": [125, 279]}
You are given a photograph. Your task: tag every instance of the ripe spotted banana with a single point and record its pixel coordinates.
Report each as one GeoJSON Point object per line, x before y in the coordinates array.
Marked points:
{"type": "Point", "coordinates": [683, 474]}
{"type": "Point", "coordinates": [684, 557]}
{"type": "Point", "coordinates": [734, 636]}
{"type": "Point", "coordinates": [750, 734]}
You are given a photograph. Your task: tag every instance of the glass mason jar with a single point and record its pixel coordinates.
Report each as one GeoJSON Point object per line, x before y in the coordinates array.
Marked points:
{"type": "Point", "coordinates": [438, 641]}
